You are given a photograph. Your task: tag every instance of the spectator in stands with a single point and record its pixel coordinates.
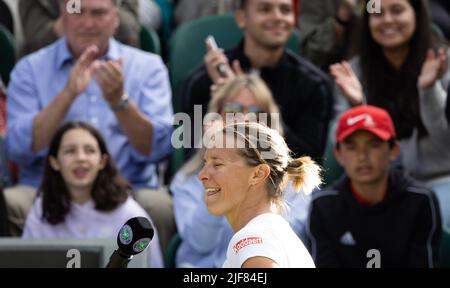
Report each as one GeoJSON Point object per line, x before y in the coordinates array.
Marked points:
{"type": "Point", "coordinates": [401, 70]}
{"type": "Point", "coordinates": [325, 28]}
{"type": "Point", "coordinates": [302, 91]}
{"type": "Point", "coordinates": [373, 210]}
{"type": "Point", "coordinates": [82, 194]}
{"type": "Point", "coordinates": [205, 237]}
{"type": "Point", "coordinates": [149, 14]}
{"type": "Point", "coordinates": [6, 17]}
{"type": "Point", "coordinates": [187, 10]}
{"type": "Point", "coordinates": [42, 21]}
{"type": "Point", "coordinates": [122, 91]}
{"type": "Point", "coordinates": [440, 14]}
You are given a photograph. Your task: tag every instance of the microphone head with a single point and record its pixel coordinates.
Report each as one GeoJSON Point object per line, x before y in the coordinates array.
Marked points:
{"type": "Point", "coordinates": [135, 235]}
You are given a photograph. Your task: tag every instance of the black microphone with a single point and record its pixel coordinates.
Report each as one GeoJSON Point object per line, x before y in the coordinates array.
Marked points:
{"type": "Point", "coordinates": [133, 238]}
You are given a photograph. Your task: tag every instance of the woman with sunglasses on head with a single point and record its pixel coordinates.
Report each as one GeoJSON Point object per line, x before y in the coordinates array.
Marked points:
{"type": "Point", "coordinates": [205, 237]}
{"type": "Point", "coordinates": [245, 183]}
{"type": "Point", "coordinates": [82, 194]}
{"type": "Point", "coordinates": [401, 69]}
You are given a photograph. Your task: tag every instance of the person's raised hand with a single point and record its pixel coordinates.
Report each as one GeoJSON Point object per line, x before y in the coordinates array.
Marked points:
{"type": "Point", "coordinates": [347, 82]}
{"type": "Point", "coordinates": [432, 68]}
{"type": "Point", "coordinates": [82, 71]}
{"type": "Point", "coordinates": [109, 76]}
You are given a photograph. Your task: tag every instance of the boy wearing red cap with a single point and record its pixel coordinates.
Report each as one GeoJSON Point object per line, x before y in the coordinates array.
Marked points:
{"type": "Point", "coordinates": [374, 216]}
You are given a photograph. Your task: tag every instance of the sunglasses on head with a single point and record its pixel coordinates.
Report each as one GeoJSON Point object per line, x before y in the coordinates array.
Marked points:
{"type": "Point", "coordinates": [235, 107]}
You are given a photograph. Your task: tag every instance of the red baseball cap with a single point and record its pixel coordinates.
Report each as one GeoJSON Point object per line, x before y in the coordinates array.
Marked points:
{"type": "Point", "coordinates": [368, 118]}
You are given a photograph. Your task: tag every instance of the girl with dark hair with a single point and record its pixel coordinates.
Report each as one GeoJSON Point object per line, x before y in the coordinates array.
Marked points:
{"type": "Point", "coordinates": [82, 194]}
{"type": "Point", "coordinates": [401, 69]}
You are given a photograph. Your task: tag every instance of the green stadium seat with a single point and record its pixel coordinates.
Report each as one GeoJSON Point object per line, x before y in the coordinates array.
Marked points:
{"type": "Point", "coordinates": [171, 252]}
{"type": "Point", "coordinates": [331, 168]}
{"type": "Point", "coordinates": [149, 40]}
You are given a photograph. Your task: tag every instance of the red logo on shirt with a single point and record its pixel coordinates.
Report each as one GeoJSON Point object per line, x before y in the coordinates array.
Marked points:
{"type": "Point", "coordinates": [245, 242]}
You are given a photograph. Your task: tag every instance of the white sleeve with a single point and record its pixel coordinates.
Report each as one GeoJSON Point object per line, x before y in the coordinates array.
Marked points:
{"type": "Point", "coordinates": [248, 243]}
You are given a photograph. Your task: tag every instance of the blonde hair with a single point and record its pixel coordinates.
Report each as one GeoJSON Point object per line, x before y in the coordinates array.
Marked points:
{"type": "Point", "coordinates": [263, 96]}
{"type": "Point", "coordinates": [254, 84]}
{"type": "Point", "coordinates": [263, 145]}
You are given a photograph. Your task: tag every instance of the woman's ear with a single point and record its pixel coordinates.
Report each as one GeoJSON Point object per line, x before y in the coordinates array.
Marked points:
{"type": "Point", "coordinates": [54, 163]}
{"type": "Point", "coordinates": [104, 161]}
{"type": "Point", "coordinates": [260, 174]}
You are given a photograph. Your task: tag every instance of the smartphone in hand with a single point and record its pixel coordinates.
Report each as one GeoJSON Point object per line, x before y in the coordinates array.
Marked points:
{"type": "Point", "coordinates": [213, 44]}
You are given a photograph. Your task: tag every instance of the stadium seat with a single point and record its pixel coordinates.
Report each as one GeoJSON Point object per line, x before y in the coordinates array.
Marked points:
{"type": "Point", "coordinates": [7, 54]}
{"type": "Point", "coordinates": [331, 168]}
{"type": "Point", "coordinates": [171, 252]}
{"type": "Point", "coordinates": [149, 40]}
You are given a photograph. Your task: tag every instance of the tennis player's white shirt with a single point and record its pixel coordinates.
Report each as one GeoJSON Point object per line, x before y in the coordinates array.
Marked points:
{"type": "Point", "coordinates": [268, 235]}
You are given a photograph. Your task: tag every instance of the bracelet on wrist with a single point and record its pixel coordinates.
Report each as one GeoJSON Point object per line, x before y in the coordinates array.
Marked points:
{"type": "Point", "coordinates": [122, 104]}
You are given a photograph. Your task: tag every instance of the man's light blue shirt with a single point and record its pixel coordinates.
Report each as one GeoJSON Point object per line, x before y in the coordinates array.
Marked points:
{"type": "Point", "coordinates": [38, 78]}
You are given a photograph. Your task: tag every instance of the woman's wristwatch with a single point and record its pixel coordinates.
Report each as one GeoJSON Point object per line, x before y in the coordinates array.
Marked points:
{"type": "Point", "coordinates": [122, 104]}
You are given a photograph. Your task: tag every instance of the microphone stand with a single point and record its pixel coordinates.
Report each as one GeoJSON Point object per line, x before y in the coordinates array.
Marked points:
{"type": "Point", "coordinates": [118, 260]}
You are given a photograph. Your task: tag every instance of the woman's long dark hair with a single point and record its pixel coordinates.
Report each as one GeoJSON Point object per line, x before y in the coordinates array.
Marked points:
{"type": "Point", "coordinates": [108, 191]}
{"type": "Point", "coordinates": [391, 89]}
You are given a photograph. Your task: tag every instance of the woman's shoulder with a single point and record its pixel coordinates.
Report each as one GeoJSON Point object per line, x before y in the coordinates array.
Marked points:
{"type": "Point", "coordinates": [131, 208]}
{"type": "Point", "coordinates": [37, 209]}
{"type": "Point", "coordinates": [260, 226]}
{"type": "Point", "coordinates": [35, 225]}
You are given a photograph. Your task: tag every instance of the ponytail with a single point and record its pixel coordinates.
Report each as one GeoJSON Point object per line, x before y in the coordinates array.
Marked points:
{"type": "Point", "coordinates": [304, 174]}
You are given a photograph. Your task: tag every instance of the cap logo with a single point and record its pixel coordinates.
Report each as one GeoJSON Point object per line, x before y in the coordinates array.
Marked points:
{"type": "Point", "coordinates": [368, 120]}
